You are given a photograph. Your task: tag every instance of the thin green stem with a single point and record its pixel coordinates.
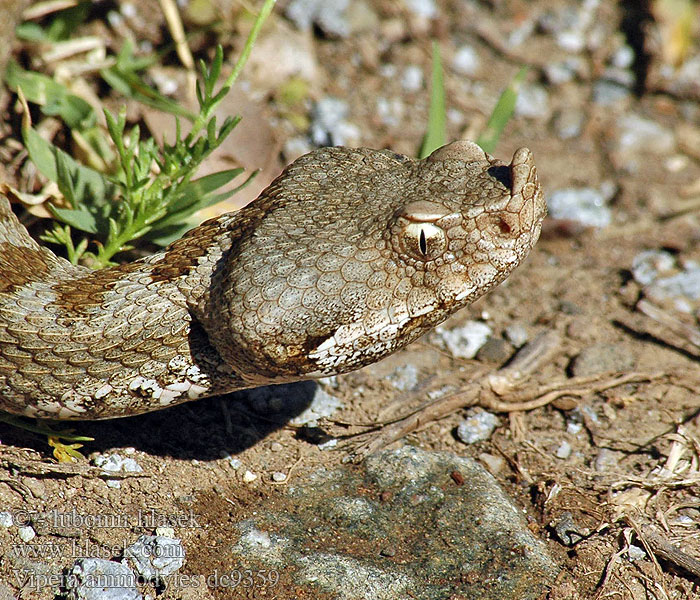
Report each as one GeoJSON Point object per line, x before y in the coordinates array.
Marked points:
{"type": "Point", "coordinates": [204, 115]}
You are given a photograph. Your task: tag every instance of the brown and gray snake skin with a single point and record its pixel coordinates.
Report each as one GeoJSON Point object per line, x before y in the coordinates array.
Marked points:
{"type": "Point", "coordinates": [349, 255]}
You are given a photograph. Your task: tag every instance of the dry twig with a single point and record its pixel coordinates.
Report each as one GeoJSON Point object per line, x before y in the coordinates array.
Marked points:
{"type": "Point", "coordinates": [497, 392]}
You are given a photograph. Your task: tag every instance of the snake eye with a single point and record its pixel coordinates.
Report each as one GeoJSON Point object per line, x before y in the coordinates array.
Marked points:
{"type": "Point", "coordinates": [423, 241]}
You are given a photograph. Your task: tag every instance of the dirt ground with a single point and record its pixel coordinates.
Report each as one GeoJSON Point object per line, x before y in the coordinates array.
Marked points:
{"type": "Point", "coordinates": [602, 470]}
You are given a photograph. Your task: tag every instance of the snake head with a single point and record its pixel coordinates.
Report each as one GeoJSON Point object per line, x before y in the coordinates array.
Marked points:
{"type": "Point", "coordinates": [354, 253]}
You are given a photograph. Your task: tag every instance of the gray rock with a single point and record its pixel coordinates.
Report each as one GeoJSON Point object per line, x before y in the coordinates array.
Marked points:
{"type": "Point", "coordinates": [641, 135]}
{"type": "Point", "coordinates": [26, 533]}
{"type": "Point", "coordinates": [496, 350]}
{"type": "Point", "coordinates": [412, 79]}
{"type": "Point", "coordinates": [649, 264]}
{"type": "Point", "coordinates": [567, 531]}
{"type": "Point", "coordinates": [405, 378]}
{"type": "Point", "coordinates": [568, 123]}
{"type": "Point", "coordinates": [623, 57]}
{"type": "Point", "coordinates": [322, 405]}
{"type": "Point", "coordinates": [329, 15]}
{"type": "Point", "coordinates": [98, 579]}
{"type": "Point", "coordinates": [609, 93]}
{"type": "Point", "coordinates": [586, 206]}
{"type": "Point", "coordinates": [155, 556]}
{"type": "Point", "coordinates": [425, 9]}
{"type": "Point", "coordinates": [608, 460]}
{"type": "Point", "coordinates": [329, 126]}
{"type": "Point", "coordinates": [564, 450]}
{"type": "Point", "coordinates": [390, 111]}
{"type": "Point", "coordinates": [532, 102]}
{"type": "Point", "coordinates": [602, 358]}
{"type": "Point", "coordinates": [516, 334]}
{"type": "Point", "coordinates": [563, 71]}
{"type": "Point", "coordinates": [477, 427]}
{"type": "Point", "coordinates": [115, 463]}
{"type": "Point", "coordinates": [464, 341]}
{"type": "Point", "coordinates": [447, 539]}
{"type": "Point", "coordinates": [6, 519]}
{"type": "Point", "coordinates": [466, 61]}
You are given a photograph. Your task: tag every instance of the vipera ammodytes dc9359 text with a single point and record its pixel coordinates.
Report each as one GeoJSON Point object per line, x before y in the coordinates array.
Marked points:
{"type": "Point", "coordinates": [349, 255]}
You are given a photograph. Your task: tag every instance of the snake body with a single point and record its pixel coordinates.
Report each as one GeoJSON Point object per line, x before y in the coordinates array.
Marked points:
{"type": "Point", "coordinates": [349, 255]}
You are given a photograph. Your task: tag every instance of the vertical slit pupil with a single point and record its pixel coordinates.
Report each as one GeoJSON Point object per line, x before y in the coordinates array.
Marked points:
{"type": "Point", "coordinates": [423, 243]}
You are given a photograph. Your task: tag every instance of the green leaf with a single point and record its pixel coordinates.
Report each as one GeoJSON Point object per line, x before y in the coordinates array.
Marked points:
{"type": "Point", "coordinates": [200, 195]}
{"type": "Point", "coordinates": [31, 32]}
{"type": "Point", "coordinates": [80, 184]}
{"type": "Point", "coordinates": [502, 113]}
{"type": "Point", "coordinates": [64, 22]}
{"type": "Point", "coordinates": [123, 77]}
{"type": "Point", "coordinates": [54, 98]}
{"type": "Point", "coordinates": [77, 218]}
{"type": "Point", "coordinates": [436, 134]}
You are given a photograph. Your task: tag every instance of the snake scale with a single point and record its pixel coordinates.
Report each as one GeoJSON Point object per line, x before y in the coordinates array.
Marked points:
{"type": "Point", "coordinates": [349, 255]}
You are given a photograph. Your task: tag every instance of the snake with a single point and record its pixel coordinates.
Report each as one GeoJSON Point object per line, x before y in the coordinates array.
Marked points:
{"type": "Point", "coordinates": [347, 256]}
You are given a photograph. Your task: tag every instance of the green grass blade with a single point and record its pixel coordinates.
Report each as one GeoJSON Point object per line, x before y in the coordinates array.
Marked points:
{"type": "Point", "coordinates": [502, 113]}
{"type": "Point", "coordinates": [436, 135]}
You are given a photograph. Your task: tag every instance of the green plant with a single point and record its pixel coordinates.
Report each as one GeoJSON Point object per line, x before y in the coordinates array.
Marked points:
{"type": "Point", "coordinates": [436, 131]}
{"type": "Point", "coordinates": [152, 191]}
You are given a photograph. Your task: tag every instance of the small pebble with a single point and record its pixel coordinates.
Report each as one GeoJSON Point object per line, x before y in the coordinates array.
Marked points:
{"type": "Point", "coordinates": [681, 289]}
{"type": "Point", "coordinates": [623, 57]}
{"type": "Point", "coordinates": [322, 405]}
{"type": "Point", "coordinates": [464, 341]}
{"type": "Point", "coordinates": [601, 358]}
{"type": "Point", "coordinates": [493, 463]}
{"type": "Point", "coordinates": [235, 463]}
{"type": "Point", "coordinates": [495, 350]}
{"type": "Point", "coordinates": [532, 102]}
{"type": "Point", "coordinates": [412, 78]}
{"type": "Point", "coordinates": [608, 460]}
{"type": "Point", "coordinates": [278, 476]}
{"type": "Point", "coordinates": [564, 450]}
{"type": "Point", "coordinates": [390, 111]}
{"type": "Point", "coordinates": [167, 532]}
{"type": "Point", "coordinates": [648, 264]}
{"type": "Point", "coordinates": [154, 556]}
{"type": "Point", "coordinates": [517, 335]}
{"type": "Point", "coordinates": [6, 519]}
{"type": "Point", "coordinates": [608, 93]}
{"type": "Point", "coordinates": [563, 71]}
{"type": "Point", "coordinates": [26, 533]}
{"type": "Point", "coordinates": [568, 123]}
{"type": "Point", "coordinates": [573, 427]}
{"type": "Point", "coordinates": [329, 15]}
{"type": "Point", "coordinates": [583, 205]}
{"type": "Point", "coordinates": [425, 9]}
{"type": "Point", "coordinates": [567, 531]}
{"type": "Point", "coordinates": [329, 126]}
{"type": "Point", "coordinates": [641, 135]}
{"type": "Point", "coordinates": [477, 427]}
{"type": "Point", "coordinates": [249, 477]}
{"type": "Point", "coordinates": [466, 61]}
{"type": "Point", "coordinates": [635, 552]}
{"type": "Point", "coordinates": [405, 377]}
